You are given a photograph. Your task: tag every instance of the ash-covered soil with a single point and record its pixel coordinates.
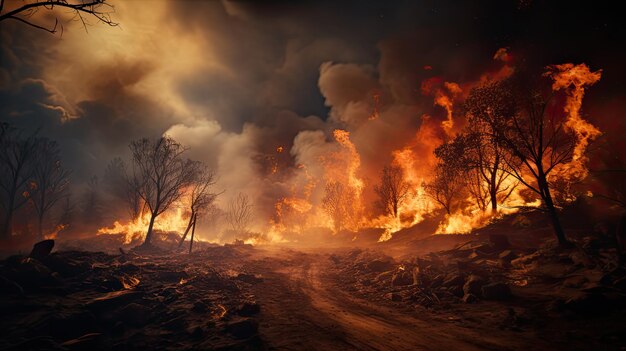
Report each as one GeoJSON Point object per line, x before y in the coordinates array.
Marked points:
{"type": "Point", "coordinates": [474, 293]}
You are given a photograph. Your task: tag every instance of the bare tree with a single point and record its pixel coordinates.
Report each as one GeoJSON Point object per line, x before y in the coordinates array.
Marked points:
{"type": "Point", "coordinates": [80, 10]}
{"type": "Point", "coordinates": [50, 179]}
{"type": "Point", "coordinates": [476, 154]}
{"type": "Point", "coordinates": [163, 174]}
{"type": "Point", "coordinates": [17, 161]}
{"type": "Point", "coordinates": [124, 185]}
{"type": "Point", "coordinates": [392, 190]}
{"type": "Point", "coordinates": [239, 214]}
{"type": "Point", "coordinates": [200, 198]}
{"type": "Point", "coordinates": [446, 187]}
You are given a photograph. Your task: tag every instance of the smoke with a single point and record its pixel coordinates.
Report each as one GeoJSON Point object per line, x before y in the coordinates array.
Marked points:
{"type": "Point", "coordinates": [235, 81]}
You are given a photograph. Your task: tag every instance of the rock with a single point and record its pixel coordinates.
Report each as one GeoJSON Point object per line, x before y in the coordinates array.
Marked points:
{"type": "Point", "coordinates": [248, 309]}
{"type": "Point", "coordinates": [91, 341]}
{"type": "Point", "coordinates": [379, 266]}
{"type": "Point", "coordinates": [41, 249]}
{"type": "Point", "coordinates": [496, 291]}
{"type": "Point", "coordinates": [454, 280]}
{"type": "Point", "coordinates": [393, 297]}
{"type": "Point", "coordinates": [242, 329]}
{"type": "Point", "coordinates": [113, 300]}
{"type": "Point", "coordinates": [575, 282]}
{"type": "Point", "coordinates": [135, 314]}
{"type": "Point", "coordinates": [500, 242]}
{"type": "Point", "coordinates": [469, 298]}
{"type": "Point", "coordinates": [402, 278]}
{"type": "Point", "coordinates": [473, 285]}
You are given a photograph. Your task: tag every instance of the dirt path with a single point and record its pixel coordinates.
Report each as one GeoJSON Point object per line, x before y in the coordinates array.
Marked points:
{"type": "Point", "coordinates": [303, 309]}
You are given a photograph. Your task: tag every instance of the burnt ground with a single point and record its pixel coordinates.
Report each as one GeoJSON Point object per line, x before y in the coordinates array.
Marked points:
{"type": "Point", "coordinates": [465, 293]}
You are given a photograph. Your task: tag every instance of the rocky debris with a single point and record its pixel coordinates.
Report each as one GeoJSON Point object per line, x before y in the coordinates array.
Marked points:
{"type": "Point", "coordinates": [42, 249]}
{"type": "Point", "coordinates": [91, 300]}
{"type": "Point", "coordinates": [402, 277]}
{"type": "Point", "coordinates": [474, 285]}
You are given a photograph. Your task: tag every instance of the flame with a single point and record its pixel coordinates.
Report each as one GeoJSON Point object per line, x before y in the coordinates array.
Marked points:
{"type": "Point", "coordinates": [573, 79]}
{"type": "Point", "coordinates": [445, 98]}
{"type": "Point", "coordinates": [175, 220]}
{"type": "Point", "coordinates": [54, 233]}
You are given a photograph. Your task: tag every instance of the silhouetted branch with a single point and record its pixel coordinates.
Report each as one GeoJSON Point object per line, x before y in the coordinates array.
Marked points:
{"type": "Point", "coordinates": [100, 9]}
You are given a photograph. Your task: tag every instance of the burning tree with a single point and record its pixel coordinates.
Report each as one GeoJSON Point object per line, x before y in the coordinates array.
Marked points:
{"type": "Point", "coordinates": [50, 179]}
{"type": "Point", "coordinates": [200, 198]}
{"type": "Point", "coordinates": [446, 187]}
{"type": "Point", "coordinates": [18, 157]}
{"type": "Point", "coordinates": [393, 189]}
{"type": "Point", "coordinates": [537, 132]}
{"type": "Point", "coordinates": [239, 214]}
{"type": "Point", "coordinates": [162, 173]}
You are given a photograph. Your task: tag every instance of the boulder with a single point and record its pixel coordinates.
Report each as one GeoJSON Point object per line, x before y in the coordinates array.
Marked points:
{"type": "Point", "coordinates": [496, 291]}
{"type": "Point", "coordinates": [473, 285]}
{"type": "Point", "coordinates": [42, 249]}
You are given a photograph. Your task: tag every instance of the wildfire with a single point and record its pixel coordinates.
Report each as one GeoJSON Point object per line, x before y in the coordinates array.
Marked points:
{"type": "Point", "coordinates": [573, 79]}
{"type": "Point", "coordinates": [53, 234]}
{"type": "Point", "coordinates": [175, 220]}
{"type": "Point", "coordinates": [444, 97]}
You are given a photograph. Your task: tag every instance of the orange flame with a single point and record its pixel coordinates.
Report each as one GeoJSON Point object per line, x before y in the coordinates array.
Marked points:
{"type": "Point", "coordinates": [174, 220]}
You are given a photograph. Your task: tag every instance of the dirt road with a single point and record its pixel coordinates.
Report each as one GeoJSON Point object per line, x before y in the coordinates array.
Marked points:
{"type": "Point", "coordinates": [303, 309]}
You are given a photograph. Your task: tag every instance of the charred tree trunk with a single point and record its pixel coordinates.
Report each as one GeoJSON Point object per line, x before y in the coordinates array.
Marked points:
{"type": "Point", "coordinates": [554, 216]}
{"type": "Point", "coordinates": [191, 222]}
{"type": "Point", "coordinates": [148, 240]}
{"type": "Point", "coordinates": [193, 230]}
{"type": "Point", "coordinates": [40, 226]}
